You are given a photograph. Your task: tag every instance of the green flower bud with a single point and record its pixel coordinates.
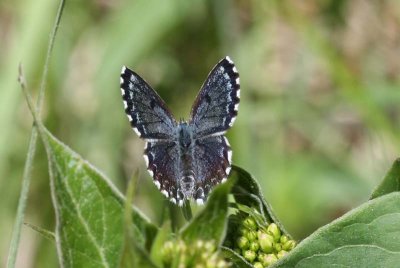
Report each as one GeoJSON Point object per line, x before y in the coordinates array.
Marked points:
{"type": "Point", "coordinates": [202, 253]}
{"type": "Point", "coordinates": [199, 245]}
{"type": "Point", "coordinates": [273, 230]}
{"type": "Point", "coordinates": [289, 245]}
{"type": "Point", "coordinates": [251, 235]}
{"type": "Point", "coordinates": [258, 265]}
{"type": "Point", "coordinates": [250, 223]}
{"type": "Point", "coordinates": [181, 246]}
{"type": "Point", "coordinates": [243, 230]}
{"type": "Point", "coordinates": [259, 233]}
{"type": "Point", "coordinates": [281, 254]}
{"type": "Point", "coordinates": [266, 242]}
{"type": "Point", "coordinates": [243, 242]}
{"type": "Point", "coordinates": [254, 246]}
{"type": "Point", "coordinates": [284, 239]}
{"type": "Point", "coordinates": [277, 247]}
{"type": "Point", "coordinates": [222, 264]}
{"type": "Point", "coordinates": [210, 263]}
{"type": "Point", "coordinates": [249, 255]}
{"type": "Point", "coordinates": [167, 251]}
{"type": "Point", "coordinates": [269, 259]}
{"type": "Point", "coordinates": [210, 247]}
{"type": "Point", "coordinates": [183, 260]}
{"type": "Point", "coordinates": [204, 256]}
{"type": "Point", "coordinates": [261, 256]}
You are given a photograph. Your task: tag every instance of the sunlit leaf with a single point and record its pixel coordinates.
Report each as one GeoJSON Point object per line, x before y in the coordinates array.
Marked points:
{"type": "Point", "coordinates": [210, 223]}
{"type": "Point", "coordinates": [367, 236]}
{"type": "Point", "coordinates": [391, 182]}
{"type": "Point", "coordinates": [89, 211]}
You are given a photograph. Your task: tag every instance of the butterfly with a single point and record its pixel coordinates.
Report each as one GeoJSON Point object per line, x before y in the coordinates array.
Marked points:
{"type": "Point", "coordinates": [185, 159]}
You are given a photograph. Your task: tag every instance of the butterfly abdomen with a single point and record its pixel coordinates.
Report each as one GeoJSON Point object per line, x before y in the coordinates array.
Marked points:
{"type": "Point", "coordinates": [186, 182]}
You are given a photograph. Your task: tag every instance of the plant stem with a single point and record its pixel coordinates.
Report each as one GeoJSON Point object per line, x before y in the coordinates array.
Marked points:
{"type": "Point", "coordinates": [16, 235]}
{"type": "Point", "coordinates": [187, 210]}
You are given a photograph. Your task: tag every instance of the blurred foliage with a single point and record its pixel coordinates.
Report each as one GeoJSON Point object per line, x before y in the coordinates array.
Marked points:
{"type": "Point", "coordinates": [319, 118]}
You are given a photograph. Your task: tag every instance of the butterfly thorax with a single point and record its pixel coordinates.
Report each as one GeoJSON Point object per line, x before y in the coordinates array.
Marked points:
{"type": "Point", "coordinates": [184, 137]}
{"type": "Point", "coordinates": [186, 183]}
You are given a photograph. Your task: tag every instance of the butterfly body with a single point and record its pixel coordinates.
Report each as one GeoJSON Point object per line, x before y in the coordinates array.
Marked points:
{"type": "Point", "coordinates": [185, 159]}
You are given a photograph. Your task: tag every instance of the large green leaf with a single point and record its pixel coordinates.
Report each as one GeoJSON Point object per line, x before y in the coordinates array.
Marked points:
{"type": "Point", "coordinates": [391, 182]}
{"type": "Point", "coordinates": [210, 223]}
{"type": "Point", "coordinates": [367, 236]}
{"type": "Point", "coordinates": [89, 211]}
{"type": "Point", "coordinates": [247, 191]}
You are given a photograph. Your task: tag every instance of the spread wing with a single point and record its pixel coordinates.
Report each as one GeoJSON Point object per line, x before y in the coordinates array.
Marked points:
{"type": "Point", "coordinates": [216, 105]}
{"type": "Point", "coordinates": [212, 164]}
{"type": "Point", "coordinates": [146, 111]}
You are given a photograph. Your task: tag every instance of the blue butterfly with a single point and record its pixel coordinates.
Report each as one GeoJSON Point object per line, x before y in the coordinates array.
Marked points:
{"type": "Point", "coordinates": [185, 159]}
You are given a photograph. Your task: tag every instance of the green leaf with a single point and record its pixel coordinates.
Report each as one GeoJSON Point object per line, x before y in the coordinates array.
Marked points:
{"type": "Point", "coordinates": [367, 236]}
{"type": "Point", "coordinates": [234, 258]}
{"type": "Point", "coordinates": [247, 191]}
{"type": "Point", "coordinates": [164, 234]}
{"type": "Point", "coordinates": [391, 182]}
{"type": "Point", "coordinates": [210, 223]}
{"type": "Point", "coordinates": [89, 211]}
{"type": "Point", "coordinates": [133, 254]}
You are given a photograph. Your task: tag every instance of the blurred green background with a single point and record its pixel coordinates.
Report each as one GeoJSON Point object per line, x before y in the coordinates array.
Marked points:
{"type": "Point", "coordinates": [318, 124]}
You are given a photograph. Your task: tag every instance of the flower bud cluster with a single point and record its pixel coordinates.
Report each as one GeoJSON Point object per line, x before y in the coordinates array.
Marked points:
{"type": "Point", "coordinates": [261, 245]}
{"type": "Point", "coordinates": [200, 254]}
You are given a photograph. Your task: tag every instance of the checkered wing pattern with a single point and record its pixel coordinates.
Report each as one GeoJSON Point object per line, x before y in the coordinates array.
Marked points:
{"type": "Point", "coordinates": [212, 164]}
{"type": "Point", "coordinates": [215, 108]}
{"type": "Point", "coordinates": [146, 111]}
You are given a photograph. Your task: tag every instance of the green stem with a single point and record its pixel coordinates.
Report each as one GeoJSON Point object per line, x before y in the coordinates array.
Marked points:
{"type": "Point", "coordinates": [16, 235]}
{"type": "Point", "coordinates": [173, 215]}
{"type": "Point", "coordinates": [187, 210]}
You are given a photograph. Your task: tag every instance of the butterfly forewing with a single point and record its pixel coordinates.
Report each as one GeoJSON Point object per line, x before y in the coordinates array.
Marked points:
{"type": "Point", "coordinates": [216, 105]}
{"type": "Point", "coordinates": [146, 111]}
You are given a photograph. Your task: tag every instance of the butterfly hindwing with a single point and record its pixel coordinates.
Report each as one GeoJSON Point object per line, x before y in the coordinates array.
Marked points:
{"type": "Point", "coordinates": [216, 105]}
{"type": "Point", "coordinates": [162, 159]}
{"type": "Point", "coordinates": [146, 111]}
{"type": "Point", "coordinates": [211, 165]}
